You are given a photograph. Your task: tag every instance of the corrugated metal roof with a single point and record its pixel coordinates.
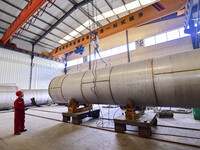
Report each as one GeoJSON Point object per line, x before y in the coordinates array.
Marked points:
{"type": "Point", "coordinates": [106, 10]}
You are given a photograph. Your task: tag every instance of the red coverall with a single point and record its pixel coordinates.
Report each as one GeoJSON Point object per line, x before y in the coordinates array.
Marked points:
{"type": "Point", "coordinates": [19, 115]}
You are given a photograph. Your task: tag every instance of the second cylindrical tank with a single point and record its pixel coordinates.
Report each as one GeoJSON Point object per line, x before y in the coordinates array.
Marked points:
{"type": "Point", "coordinates": [7, 97]}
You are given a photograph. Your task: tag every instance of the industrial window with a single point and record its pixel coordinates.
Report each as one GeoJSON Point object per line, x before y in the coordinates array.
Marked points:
{"type": "Point", "coordinates": [163, 37]}
{"type": "Point", "coordinates": [182, 34]}
{"type": "Point", "coordinates": [113, 51]}
{"type": "Point", "coordinates": [87, 37]}
{"type": "Point", "coordinates": [83, 39]}
{"type": "Point", "coordinates": [132, 46]}
{"type": "Point", "coordinates": [122, 48]}
{"type": "Point", "coordinates": [104, 54]}
{"type": "Point", "coordinates": [63, 47]}
{"type": "Point", "coordinates": [70, 44]}
{"type": "Point", "coordinates": [74, 62]}
{"type": "Point", "coordinates": [74, 42]}
{"type": "Point", "coordinates": [172, 35]}
{"type": "Point", "coordinates": [160, 38]}
{"type": "Point", "coordinates": [67, 46]}
{"type": "Point", "coordinates": [149, 41]}
{"type": "Point", "coordinates": [78, 41]}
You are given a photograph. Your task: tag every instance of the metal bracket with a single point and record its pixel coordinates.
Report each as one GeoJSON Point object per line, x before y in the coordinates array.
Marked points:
{"type": "Point", "coordinates": [133, 112]}
{"type": "Point", "coordinates": [73, 107]}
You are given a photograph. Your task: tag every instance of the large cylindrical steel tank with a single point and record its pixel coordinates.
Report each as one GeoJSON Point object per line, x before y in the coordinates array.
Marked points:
{"type": "Point", "coordinates": [7, 97]}
{"type": "Point", "coordinates": [168, 81]}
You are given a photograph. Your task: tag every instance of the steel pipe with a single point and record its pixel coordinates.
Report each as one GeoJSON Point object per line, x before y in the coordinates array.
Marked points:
{"type": "Point", "coordinates": [168, 81]}
{"type": "Point", "coordinates": [8, 97]}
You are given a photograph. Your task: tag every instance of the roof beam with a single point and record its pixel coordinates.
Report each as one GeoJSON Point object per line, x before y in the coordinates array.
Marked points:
{"type": "Point", "coordinates": [29, 53]}
{"type": "Point", "coordinates": [2, 32]}
{"type": "Point", "coordinates": [57, 18]}
{"type": "Point", "coordinates": [31, 40]}
{"type": "Point", "coordinates": [24, 29]}
{"type": "Point", "coordinates": [25, 14]}
{"type": "Point", "coordinates": [61, 19]}
{"type": "Point", "coordinates": [86, 13]}
{"type": "Point", "coordinates": [99, 11]}
{"type": "Point", "coordinates": [62, 22]}
{"type": "Point", "coordinates": [125, 6]}
{"type": "Point", "coordinates": [36, 18]}
{"type": "Point", "coordinates": [111, 8]}
{"type": "Point", "coordinates": [71, 16]}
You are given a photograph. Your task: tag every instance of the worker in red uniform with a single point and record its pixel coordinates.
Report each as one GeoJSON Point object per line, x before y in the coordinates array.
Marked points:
{"type": "Point", "coordinates": [19, 114]}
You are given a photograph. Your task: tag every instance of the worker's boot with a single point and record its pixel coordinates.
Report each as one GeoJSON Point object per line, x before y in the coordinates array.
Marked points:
{"type": "Point", "coordinates": [18, 133]}
{"type": "Point", "coordinates": [24, 130]}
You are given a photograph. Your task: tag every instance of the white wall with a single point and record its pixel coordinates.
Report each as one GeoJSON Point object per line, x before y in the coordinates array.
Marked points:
{"type": "Point", "coordinates": [28, 46]}
{"type": "Point", "coordinates": [44, 71]}
{"type": "Point", "coordinates": [135, 34]}
{"type": "Point", "coordinates": [15, 68]}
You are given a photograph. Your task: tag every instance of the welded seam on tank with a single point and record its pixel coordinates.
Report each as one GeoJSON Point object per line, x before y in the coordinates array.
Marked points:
{"type": "Point", "coordinates": [154, 87]}
{"type": "Point", "coordinates": [61, 88]}
{"type": "Point", "coordinates": [55, 87]}
{"type": "Point", "coordinates": [95, 81]}
{"type": "Point", "coordinates": [49, 88]}
{"type": "Point", "coordinates": [180, 71]}
{"type": "Point", "coordinates": [87, 102]}
{"type": "Point", "coordinates": [110, 87]}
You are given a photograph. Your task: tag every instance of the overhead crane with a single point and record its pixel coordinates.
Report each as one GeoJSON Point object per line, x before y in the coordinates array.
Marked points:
{"type": "Point", "coordinates": [21, 19]}
{"type": "Point", "coordinates": [145, 15]}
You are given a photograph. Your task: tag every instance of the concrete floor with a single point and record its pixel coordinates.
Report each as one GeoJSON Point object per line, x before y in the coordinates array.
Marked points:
{"type": "Point", "coordinates": [46, 131]}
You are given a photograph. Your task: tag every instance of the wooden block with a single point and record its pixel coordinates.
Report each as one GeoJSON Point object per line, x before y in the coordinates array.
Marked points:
{"type": "Point", "coordinates": [66, 118]}
{"type": "Point", "coordinates": [144, 124]}
{"type": "Point", "coordinates": [145, 132]}
{"type": "Point", "coordinates": [76, 120]}
{"type": "Point", "coordinates": [120, 128]}
{"type": "Point", "coordinates": [77, 117]}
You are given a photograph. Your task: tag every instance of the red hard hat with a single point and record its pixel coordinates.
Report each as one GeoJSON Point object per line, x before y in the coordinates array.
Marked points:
{"type": "Point", "coordinates": [19, 93]}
